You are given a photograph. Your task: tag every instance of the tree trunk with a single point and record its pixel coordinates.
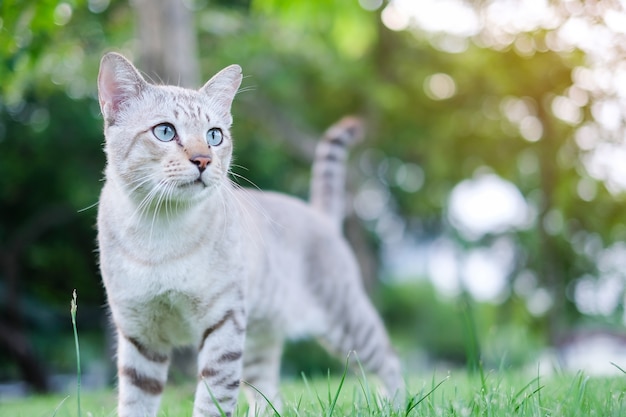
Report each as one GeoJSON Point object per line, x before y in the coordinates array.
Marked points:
{"type": "Point", "coordinates": [550, 272]}
{"type": "Point", "coordinates": [14, 343]}
{"type": "Point", "coordinates": [13, 335]}
{"type": "Point", "coordinates": [168, 47]}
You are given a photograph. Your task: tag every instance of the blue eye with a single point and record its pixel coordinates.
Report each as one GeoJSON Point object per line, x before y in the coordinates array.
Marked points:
{"type": "Point", "coordinates": [164, 132]}
{"type": "Point", "coordinates": [214, 137]}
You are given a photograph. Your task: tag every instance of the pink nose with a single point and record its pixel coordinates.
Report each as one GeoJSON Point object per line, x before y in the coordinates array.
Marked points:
{"type": "Point", "coordinates": [201, 161]}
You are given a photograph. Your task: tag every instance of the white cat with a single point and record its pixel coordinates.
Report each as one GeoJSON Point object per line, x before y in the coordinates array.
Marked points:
{"type": "Point", "coordinates": [189, 258]}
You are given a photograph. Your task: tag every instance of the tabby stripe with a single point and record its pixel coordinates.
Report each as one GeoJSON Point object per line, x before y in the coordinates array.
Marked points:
{"type": "Point", "coordinates": [230, 315]}
{"type": "Point", "coordinates": [131, 145]}
{"type": "Point", "coordinates": [234, 385]}
{"type": "Point", "coordinates": [150, 355]}
{"type": "Point", "coordinates": [229, 357]}
{"type": "Point", "coordinates": [252, 379]}
{"type": "Point", "coordinates": [149, 385]}
{"type": "Point", "coordinates": [328, 174]}
{"type": "Point", "coordinates": [208, 372]}
{"type": "Point", "coordinates": [337, 141]}
{"type": "Point", "coordinates": [367, 336]}
{"type": "Point", "coordinates": [369, 355]}
{"type": "Point", "coordinates": [332, 157]}
{"type": "Point", "coordinates": [223, 399]}
{"type": "Point", "coordinates": [252, 361]}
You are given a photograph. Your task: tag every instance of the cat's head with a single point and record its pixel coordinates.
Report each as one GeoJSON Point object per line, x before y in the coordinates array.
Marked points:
{"type": "Point", "coordinates": [164, 142]}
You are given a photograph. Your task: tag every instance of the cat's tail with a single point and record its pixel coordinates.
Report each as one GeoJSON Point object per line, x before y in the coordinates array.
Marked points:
{"type": "Point", "coordinates": [328, 182]}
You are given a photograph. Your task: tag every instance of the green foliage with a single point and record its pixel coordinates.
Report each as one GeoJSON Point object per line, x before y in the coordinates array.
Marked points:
{"type": "Point", "coordinates": [49, 178]}
{"type": "Point", "coordinates": [418, 317]}
{"type": "Point", "coordinates": [51, 45]}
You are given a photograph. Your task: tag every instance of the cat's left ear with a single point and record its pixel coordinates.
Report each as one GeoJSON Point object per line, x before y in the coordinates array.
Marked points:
{"type": "Point", "coordinates": [223, 86]}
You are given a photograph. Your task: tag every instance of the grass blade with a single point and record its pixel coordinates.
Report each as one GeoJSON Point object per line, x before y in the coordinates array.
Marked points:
{"type": "Point", "coordinates": [618, 367]}
{"type": "Point", "coordinates": [73, 310]}
{"type": "Point", "coordinates": [276, 413]}
{"type": "Point", "coordinates": [343, 378]}
{"type": "Point", "coordinates": [413, 403]}
{"type": "Point", "coordinates": [56, 410]}
{"type": "Point", "coordinates": [217, 404]}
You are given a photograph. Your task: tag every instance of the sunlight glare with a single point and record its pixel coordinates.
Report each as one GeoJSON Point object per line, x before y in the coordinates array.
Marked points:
{"type": "Point", "coordinates": [449, 16]}
{"type": "Point", "coordinates": [531, 129]}
{"type": "Point", "coordinates": [606, 163]}
{"type": "Point", "coordinates": [485, 270]}
{"type": "Point", "coordinates": [487, 204]}
{"type": "Point", "coordinates": [566, 109]}
{"type": "Point", "coordinates": [394, 18]}
{"type": "Point", "coordinates": [439, 86]}
{"type": "Point", "coordinates": [443, 268]}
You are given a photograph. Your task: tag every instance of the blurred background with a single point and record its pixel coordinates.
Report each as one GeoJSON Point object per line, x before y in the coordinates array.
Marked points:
{"type": "Point", "coordinates": [487, 202]}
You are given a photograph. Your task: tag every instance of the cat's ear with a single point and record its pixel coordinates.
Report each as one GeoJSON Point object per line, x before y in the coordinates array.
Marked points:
{"type": "Point", "coordinates": [223, 86]}
{"type": "Point", "coordinates": [118, 81]}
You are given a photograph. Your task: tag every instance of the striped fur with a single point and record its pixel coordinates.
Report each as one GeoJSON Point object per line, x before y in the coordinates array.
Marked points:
{"type": "Point", "coordinates": [329, 168]}
{"type": "Point", "coordinates": [189, 258]}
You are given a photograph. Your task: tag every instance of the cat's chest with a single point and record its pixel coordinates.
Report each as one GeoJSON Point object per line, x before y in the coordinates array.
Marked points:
{"type": "Point", "coordinates": [174, 276]}
{"type": "Point", "coordinates": [167, 298]}
{"type": "Point", "coordinates": [168, 318]}
{"type": "Point", "coordinates": [195, 270]}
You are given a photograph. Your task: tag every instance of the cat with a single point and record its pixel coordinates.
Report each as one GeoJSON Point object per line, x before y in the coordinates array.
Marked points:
{"type": "Point", "coordinates": [188, 257]}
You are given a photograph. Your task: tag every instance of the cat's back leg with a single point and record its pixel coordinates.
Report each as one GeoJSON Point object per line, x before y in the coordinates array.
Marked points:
{"type": "Point", "coordinates": [352, 322]}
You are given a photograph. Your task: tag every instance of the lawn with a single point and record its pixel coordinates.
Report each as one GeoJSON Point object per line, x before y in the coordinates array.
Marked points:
{"type": "Point", "coordinates": [496, 393]}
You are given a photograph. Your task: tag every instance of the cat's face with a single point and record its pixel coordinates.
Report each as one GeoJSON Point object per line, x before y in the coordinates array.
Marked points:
{"type": "Point", "coordinates": [166, 143]}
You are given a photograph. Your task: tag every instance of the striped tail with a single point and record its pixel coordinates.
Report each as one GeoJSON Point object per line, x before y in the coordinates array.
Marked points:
{"type": "Point", "coordinates": [329, 168]}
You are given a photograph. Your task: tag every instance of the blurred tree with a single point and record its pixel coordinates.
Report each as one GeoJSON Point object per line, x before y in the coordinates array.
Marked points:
{"type": "Point", "coordinates": [167, 42]}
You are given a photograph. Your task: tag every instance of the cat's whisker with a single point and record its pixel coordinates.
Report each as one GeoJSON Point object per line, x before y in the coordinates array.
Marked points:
{"type": "Point", "coordinates": [245, 193]}
{"type": "Point", "coordinates": [144, 204]}
{"type": "Point", "coordinates": [219, 190]}
{"type": "Point", "coordinates": [160, 202]}
{"type": "Point", "coordinates": [248, 221]}
{"type": "Point", "coordinates": [140, 181]}
{"type": "Point", "coordinates": [246, 89]}
{"type": "Point", "coordinates": [89, 207]}
{"type": "Point", "coordinates": [236, 175]}
{"type": "Point", "coordinates": [168, 201]}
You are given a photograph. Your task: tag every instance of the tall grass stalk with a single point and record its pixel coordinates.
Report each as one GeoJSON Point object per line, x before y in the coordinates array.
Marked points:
{"type": "Point", "coordinates": [73, 309]}
{"type": "Point", "coordinates": [472, 346]}
{"type": "Point", "coordinates": [276, 413]}
{"type": "Point", "coordinates": [217, 404]}
{"type": "Point", "coordinates": [414, 401]}
{"type": "Point", "coordinates": [333, 403]}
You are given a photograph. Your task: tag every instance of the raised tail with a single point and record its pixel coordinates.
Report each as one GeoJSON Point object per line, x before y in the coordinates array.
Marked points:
{"type": "Point", "coordinates": [328, 181]}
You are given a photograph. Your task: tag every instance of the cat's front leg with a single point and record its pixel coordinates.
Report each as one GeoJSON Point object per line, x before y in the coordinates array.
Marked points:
{"type": "Point", "coordinates": [220, 365]}
{"type": "Point", "coordinates": [142, 374]}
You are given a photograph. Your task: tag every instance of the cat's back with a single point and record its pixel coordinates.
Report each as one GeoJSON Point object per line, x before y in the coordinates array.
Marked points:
{"type": "Point", "coordinates": [298, 257]}
{"type": "Point", "coordinates": [287, 234]}
{"type": "Point", "coordinates": [286, 216]}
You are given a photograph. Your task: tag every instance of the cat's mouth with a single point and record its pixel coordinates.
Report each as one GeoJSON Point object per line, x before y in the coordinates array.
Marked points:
{"type": "Point", "coordinates": [197, 182]}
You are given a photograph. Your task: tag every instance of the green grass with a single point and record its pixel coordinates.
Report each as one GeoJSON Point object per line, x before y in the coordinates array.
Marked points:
{"type": "Point", "coordinates": [456, 394]}
{"type": "Point", "coordinates": [502, 393]}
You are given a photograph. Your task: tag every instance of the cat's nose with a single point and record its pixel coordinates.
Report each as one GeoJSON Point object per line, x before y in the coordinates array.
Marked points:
{"type": "Point", "coordinates": [201, 161]}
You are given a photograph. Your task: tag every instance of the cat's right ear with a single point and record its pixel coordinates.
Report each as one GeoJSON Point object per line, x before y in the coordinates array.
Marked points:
{"type": "Point", "coordinates": [118, 82]}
